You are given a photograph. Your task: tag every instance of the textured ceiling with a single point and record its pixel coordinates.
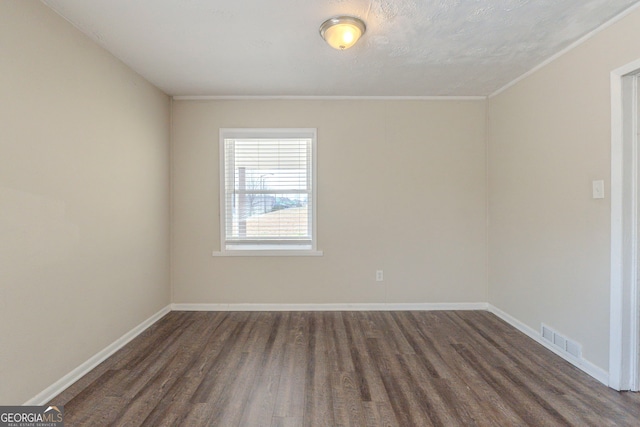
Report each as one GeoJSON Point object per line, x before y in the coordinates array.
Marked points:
{"type": "Point", "coordinates": [272, 48]}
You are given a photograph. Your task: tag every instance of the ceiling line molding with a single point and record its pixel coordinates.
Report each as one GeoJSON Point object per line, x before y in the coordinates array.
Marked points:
{"type": "Point", "coordinates": [572, 46]}
{"type": "Point", "coordinates": [326, 98]}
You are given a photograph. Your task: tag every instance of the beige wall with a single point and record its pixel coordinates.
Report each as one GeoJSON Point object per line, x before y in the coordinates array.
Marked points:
{"type": "Point", "coordinates": [83, 199]}
{"type": "Point", "coordinates": [549, 240]}
{"type": "Point", "coordinates": [401, 187]}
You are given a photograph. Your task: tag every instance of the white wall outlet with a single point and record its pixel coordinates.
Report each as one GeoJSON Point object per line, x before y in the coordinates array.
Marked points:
{"type": "Point", "coordinates": [598, 189]}
{"type": "Point", "coordinates": [379, 276]}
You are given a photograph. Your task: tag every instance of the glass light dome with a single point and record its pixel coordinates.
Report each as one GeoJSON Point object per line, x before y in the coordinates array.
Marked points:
{"type": "Point", "coordinates": [342, 32]}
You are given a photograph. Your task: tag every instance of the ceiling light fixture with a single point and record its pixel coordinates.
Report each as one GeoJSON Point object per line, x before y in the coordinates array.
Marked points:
{"type": "Point", "coordinates": [342, 32]}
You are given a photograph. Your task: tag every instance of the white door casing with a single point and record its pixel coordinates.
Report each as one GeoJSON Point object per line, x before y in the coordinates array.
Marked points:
{"type": "Point", "coordinates": [624, 330]}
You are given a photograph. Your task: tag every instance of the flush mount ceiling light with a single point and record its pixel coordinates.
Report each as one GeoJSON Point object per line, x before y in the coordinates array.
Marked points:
{"type": "Point", "coordinates": [342, 32]}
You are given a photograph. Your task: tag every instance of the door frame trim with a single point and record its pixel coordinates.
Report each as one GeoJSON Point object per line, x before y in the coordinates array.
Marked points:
{"type": "Point", "coordinates": [624, 328]}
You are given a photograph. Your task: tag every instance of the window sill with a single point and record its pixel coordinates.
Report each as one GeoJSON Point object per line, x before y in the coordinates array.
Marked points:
{"type": "Point", "coordinates": [267, 252]}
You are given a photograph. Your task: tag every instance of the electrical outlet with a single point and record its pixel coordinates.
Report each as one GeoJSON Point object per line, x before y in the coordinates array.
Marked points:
{"type": "Point", "coordinates": [379, 276]}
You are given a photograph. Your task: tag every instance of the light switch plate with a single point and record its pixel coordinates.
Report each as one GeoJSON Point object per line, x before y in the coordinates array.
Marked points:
{"type": "Point", "coordinates": [598, 189]}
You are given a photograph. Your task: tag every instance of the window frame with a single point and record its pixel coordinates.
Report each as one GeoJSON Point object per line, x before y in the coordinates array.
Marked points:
{"type": "Point", "coordinates": [267, 248]}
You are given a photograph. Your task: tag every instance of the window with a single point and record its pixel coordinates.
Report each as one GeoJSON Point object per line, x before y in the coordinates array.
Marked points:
{"type": "Point", "coordinates": [267, 195]}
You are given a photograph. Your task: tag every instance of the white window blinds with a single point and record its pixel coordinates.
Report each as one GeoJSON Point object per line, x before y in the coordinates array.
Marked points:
{"type": "Point", "coordinates": [268, 189]}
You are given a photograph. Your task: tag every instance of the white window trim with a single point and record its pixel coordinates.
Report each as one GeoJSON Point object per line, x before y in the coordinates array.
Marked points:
{"type": "Point", "coordinates": [267, 250]}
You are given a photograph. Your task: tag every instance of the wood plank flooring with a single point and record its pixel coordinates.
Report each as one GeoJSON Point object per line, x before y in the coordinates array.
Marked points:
{"type": "Point", "coordinates": [444, 368]}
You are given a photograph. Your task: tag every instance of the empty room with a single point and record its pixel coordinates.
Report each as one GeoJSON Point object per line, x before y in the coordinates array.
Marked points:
{"type": "Point", "coordinates": [319, 213]}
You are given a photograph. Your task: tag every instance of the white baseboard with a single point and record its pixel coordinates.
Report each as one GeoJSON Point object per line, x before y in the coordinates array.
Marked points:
{"type": "Point", "coordinates": [582, 364]}
{"type": "Point", "coordinates": [59, 386]}
{"type": "Point", "coordinates": [331, 307]}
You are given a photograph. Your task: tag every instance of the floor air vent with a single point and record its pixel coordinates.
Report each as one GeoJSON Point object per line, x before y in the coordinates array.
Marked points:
{"type": "Point", "coordinates": [560, 342]}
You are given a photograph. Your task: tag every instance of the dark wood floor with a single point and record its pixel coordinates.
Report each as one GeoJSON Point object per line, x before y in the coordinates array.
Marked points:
{"type": "Point", "coordinates": [445, 368]}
